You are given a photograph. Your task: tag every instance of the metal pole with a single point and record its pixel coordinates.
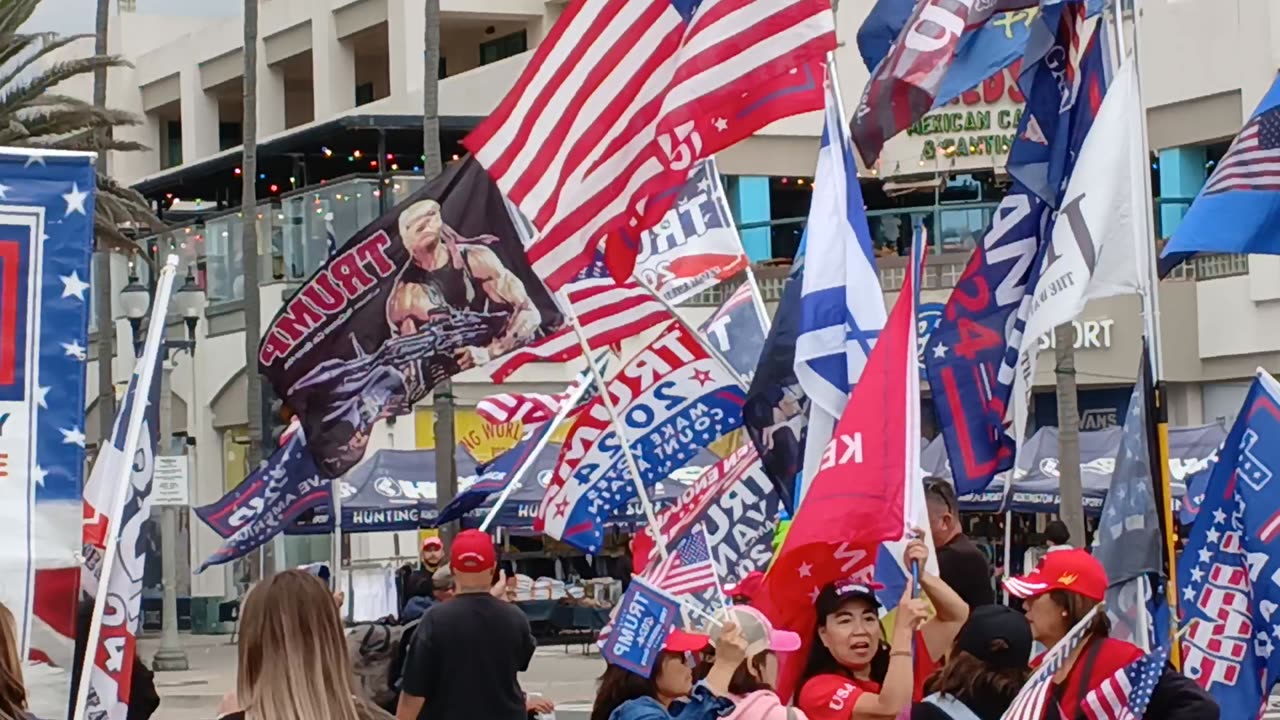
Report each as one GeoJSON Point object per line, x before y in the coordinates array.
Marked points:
{"type": "Point", "coordinates": [335, 567]}
{"type": "Point", "coordinates": [1008, 551]}
{"type": "Point", "coordinates": [170, 656]}
{"type": "Point", "coordinates": [649, 514]}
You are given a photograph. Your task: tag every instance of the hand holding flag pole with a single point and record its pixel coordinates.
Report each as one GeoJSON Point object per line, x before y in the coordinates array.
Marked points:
{"type": "Point", "coordinates": [133, 439]}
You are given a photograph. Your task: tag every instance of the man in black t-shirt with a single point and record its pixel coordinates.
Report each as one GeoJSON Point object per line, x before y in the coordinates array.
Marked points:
{"type": "Point", "coordinates": [466, 653]}
{"type": "Point", "coordinates": [960, 563]}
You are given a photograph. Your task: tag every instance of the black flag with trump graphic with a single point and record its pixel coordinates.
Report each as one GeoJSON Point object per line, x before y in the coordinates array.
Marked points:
{"type": "Point", "coordinates": [438, 285]}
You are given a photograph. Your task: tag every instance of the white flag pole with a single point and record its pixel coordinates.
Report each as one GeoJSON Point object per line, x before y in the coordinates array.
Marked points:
{"type": "Point", "coordinates": [580, 387]}
{"type": "Point", "coordinates": [756, 296]}
{"type": "Point", "coordinates": [133, 439]}
{"type": "Point", "coordinates": [603, 388]}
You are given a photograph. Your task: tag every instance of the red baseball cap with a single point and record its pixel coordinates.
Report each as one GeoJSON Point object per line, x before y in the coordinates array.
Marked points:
{"type": "Point", "coordinates": [746, 588]}
{"type": "Point", "coordinates": [680, 641]}
{"type": "Point", "coordinates": [432, 541]}
{"type": "Point", "coordinates": [1075, 571]}
{"type": "Point", "coordinates": [472, 552]}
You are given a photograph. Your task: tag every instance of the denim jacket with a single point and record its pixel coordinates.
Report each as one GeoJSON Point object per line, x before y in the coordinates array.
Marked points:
{"type": "Point", "coordinates": [701, 705]}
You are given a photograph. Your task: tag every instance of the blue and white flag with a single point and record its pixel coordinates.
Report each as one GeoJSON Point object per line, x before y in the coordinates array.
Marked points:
{"type": "Point", "coordinates": [46, 239]}
{"type": "Point", "coordinates": [738, 330]}
{"type": "Point", "coordinates": [645, 617]}
{"type": "Point", "coordinates": [1235, 211]}
{"type": "Point", "coordinates": [1229, 573]}
{"type": "Point", "coordinates": [841, 305]}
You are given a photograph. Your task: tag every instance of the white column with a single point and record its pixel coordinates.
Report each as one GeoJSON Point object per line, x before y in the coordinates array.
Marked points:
{"type": "Point", "coordinates": [199, 117]}
{"type": "Point", "coordinates": [333, 67]}
{"type": "Point", "coordinates": [271, 98]}
{"type": "Point", "coordinates": [405, 44]}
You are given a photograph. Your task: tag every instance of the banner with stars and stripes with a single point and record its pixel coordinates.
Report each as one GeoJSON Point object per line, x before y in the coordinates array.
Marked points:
{"type": "Point", "coordinates": [46, 239]}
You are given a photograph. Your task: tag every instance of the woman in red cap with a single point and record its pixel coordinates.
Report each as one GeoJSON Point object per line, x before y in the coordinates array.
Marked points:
{"type": "Point", "coordinates": [852, 673]}
{"type": "Point", "coordinates": [1057, 595]}
{"type": "Point", "coordinates": [670, 691]}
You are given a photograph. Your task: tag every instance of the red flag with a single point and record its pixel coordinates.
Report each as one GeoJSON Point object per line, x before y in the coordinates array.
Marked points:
{"type": "Point", "coordinates": [858, 498]}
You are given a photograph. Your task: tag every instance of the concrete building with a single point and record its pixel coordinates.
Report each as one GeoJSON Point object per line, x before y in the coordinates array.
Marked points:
{"type": "Point", "coordinates": [339, 117]}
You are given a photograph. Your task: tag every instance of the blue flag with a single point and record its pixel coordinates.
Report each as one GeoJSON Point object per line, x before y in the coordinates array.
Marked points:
{"type": "Point", "coordinates": [495, 476]}
{"type": "Point", "coordinates": [1229, 573]}
{"type": "Point", "coordinates": [776, 409]}
{"type": "Point", "coordinates": [737, 330]}
{"type": "Point", "coordinates": [881, 28]}
{"type": "Point", "coordinates": [1236, 210]}
{"type": "Point", "coordinates": [971, 358]}
{"type": "Point", "coordinates": [646, 616]}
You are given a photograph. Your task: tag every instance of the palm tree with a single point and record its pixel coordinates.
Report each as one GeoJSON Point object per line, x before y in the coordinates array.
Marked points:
{"type": "Point", "coordinates": [249, 237]}
{"type": "Point", "coordinates": [1071, 492]}
{"type": "Point", "coordinates": [102, 271]}
{"type": "Point", "coordinates": [33, 115]}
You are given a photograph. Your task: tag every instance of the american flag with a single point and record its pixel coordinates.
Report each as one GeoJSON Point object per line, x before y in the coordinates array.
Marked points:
{"type": "Point", "coordinates": [1126, 694]}
{"type": "Point", "coordinates": [1253, 161]}
{"type": "Point", "coordinates": [609, 312]}
{"type": "Point", "coordinates": [688, 569]}
{"type": "Point", "coordinates": [1033, 699]}
{"type": "Point", "coordinates": [533, 409]}
{"type": "Point", "coordinates": [623, 98]}
{"type": "Point", "coordinates": [45, 247]}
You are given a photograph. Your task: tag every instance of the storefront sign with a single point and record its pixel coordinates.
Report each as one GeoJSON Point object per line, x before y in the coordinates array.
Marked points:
{"type": "Point", "coordinates": [171, 481]}
{"type": "Point", "coordinates": [1089, 334]}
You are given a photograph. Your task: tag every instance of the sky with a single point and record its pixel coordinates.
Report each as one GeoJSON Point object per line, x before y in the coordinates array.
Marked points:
{"type": "Point", "coordinates": [76, 16]}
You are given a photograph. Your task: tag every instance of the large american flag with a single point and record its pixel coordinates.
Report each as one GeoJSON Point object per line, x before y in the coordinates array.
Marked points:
{"type": "Point", "coordinates": [623, 98]}
{"type": "Point", "coordinates": [533, 409]}
{"type": "Point", "coordinates": [609, 312]}
{"type": "Point", "coordinates": [1126, 694]}
{"type": "Point", "coordinates": [689, 569]}
{"type": "Point", "coordinates": [1253, 161]}
{"type": "Point", "coordinates": [46, 240]}
{"type": "Point", "coordinates": [1035, 696]}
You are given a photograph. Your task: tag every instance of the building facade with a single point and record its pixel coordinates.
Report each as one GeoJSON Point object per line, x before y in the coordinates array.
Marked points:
{"type": "Point", "coordinates": [339, 120]}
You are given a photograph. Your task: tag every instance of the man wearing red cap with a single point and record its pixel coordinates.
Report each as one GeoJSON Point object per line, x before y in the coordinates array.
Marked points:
{"type": "Point", "coordinates": [432, 557]}
{"type": "Point", "coordinates": [467, 652]}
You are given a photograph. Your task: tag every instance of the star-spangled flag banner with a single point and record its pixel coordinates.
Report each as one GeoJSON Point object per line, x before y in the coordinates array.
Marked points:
{"type": "Point", "coordinates": [1229, 574]}
{"type": "Point", "coordinates": [109, 684]}
{"type": "Point", "coordinates": [533, 409]}
{"type": "Point", "coordinates": [673, 399]}
{"type": "Point", "coordinates": [841, 304]}
{"type": "Point", "coordinates": [971, 357]}
{"type": "Point", "coordinates": [1235, 210]}
{"type": "Point", "coordinates": [738, 330]}
{"type": "Point", "coordinates": [1126, 694]}
{"type": "Point", "coordinates": [1128, 538]}
{"type": "Point", "coordinates": [867, 487]}
{"type": "Point", "coordinates": [696, 245]}
{"type": "Point", "coordinates": [46, 240]}
{"type": "Point", "coordinates": [1036, 693]}
{"type": "Point", "coordinates": [608, 311]}
{"type": "Point", "coordinates": [688, 568]}
{"type": "Point", "coordinates": [622, 99]}
{"type": "Point", "coordinates": [907, 82]}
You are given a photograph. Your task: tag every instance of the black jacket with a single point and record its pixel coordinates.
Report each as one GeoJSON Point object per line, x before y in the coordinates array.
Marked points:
{"type": "Point", "coordinates": [143, 698]}
{"type": "Point", "coordinates": [1176, 697]}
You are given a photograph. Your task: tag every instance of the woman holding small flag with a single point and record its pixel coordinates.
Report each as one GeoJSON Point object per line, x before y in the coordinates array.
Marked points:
{"type": "Point", "coordinates": [1100, 677]}
{"type": "Point", "coordinates": [853, 673]}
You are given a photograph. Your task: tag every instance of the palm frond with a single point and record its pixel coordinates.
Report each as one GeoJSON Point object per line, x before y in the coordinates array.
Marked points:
{"type": "Point", "coordinates": [58, 120]}
{"type": "Point", "coordinates": [15, 14]}
{"type": "Point", "coordinates": [17, 93]}
{"type": "Point", "coordinates": [14, 47]}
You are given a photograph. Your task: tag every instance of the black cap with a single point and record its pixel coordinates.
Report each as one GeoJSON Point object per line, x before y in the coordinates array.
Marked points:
{"type": "Point", "coordinates": [836, 594]}
{"type": "Point", "coordinates": [996, 635]}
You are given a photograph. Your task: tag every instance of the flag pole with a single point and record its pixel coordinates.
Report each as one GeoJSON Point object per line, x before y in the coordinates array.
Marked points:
{"type": "Point", "coordinates": [132, 441]}
{"type": "Point", "coordinates": [757, 297]}
{"type": "Point", "coordinates": [627, 455]}
{"type": "Point", "coordinates": [1151, 322]}
{"type": "Point", "coordinates": [566, 407]}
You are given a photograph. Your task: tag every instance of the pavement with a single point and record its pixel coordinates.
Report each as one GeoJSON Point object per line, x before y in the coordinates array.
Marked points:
{"type": "Point", "coordinates": [567, 675]}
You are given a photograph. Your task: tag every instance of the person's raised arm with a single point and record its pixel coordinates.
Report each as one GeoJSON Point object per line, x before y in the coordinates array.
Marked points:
{"type": "Point", "coordinates": [952, 611]}
{"type": "Point", "coordinates": [899, 680]}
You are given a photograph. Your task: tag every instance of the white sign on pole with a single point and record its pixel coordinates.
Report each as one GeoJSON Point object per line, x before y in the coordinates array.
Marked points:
{"type": "Point", "coordinates": [170, 483]}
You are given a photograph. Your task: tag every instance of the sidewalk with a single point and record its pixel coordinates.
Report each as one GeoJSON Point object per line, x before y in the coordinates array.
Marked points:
{"type": "Point", "coordinates": [566, 677]}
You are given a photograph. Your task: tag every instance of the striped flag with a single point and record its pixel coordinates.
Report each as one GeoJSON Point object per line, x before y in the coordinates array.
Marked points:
{"type": "Point", "coordinates": [1033, 699]}
{"type": "Point", "coordinates": [1253, 161]}
{"type": "Point", "coordinates": [609, 312]}
{"type": "Point", "coordinates": [524, 408]}
{"type": "Point", "coordinates": [624, 97]}
{"type": "Point", "coordinates": [688, 569]}
{"type": "Point", "coordinates": [1126, 694]}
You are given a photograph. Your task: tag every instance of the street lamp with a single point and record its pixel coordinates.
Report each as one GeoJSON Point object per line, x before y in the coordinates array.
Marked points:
{"type": "Point", "coordinates": [189, 300]}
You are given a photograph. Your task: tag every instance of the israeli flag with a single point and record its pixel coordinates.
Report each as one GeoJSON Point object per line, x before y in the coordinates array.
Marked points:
{"type": "Point", "coordinates": [841, 305]}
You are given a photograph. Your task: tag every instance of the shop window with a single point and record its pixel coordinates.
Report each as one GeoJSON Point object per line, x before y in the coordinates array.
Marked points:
{"type": "Point", "coordinates": [230, 135]}
{"type": "Point", "coordinates": [172, 144]}
{"type": "Point", "coordinates": [506, 46]}
{"type": "Point", "coordinates": [364, 93]}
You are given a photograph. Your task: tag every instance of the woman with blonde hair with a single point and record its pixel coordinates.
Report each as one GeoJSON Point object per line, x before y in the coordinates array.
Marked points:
{"type": "Point", "coordinates": [13, 694]}
{"type": "Point", "coordinates": [294, 663]}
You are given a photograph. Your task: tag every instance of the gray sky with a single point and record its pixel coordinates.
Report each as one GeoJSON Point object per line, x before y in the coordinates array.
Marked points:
{"type": "Point", "coordinates": [76, 16]}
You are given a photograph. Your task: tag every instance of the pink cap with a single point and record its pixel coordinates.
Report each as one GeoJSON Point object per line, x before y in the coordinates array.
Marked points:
{"type": "Point", "coordinates": [758, 631]}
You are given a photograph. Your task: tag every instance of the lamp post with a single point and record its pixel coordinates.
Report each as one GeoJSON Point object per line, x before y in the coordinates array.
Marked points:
{"type": "Point", "coordinates": [189, 300]}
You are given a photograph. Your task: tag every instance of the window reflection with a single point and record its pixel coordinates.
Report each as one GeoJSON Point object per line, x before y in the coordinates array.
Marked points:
{"type": "Point", "coordinates": [311, 219]}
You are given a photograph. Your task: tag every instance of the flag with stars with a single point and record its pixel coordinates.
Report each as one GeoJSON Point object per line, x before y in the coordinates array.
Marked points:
{"type": "Point", "coordinates": [109, 684]}
{"type": "Point", "coordinates": [1129, 540]}
{"type": "Point", "coordinates": [1126, 694]}
{"type": "Point", "coordinates": [1229, 573]}
{"type": "Point", "coordinates": [696, 244]}
{"type": "Point", "coordinates": [46, 239]}
{"type": "Point", "coordinates": [841, 305]}
{"type": "Point", "coordinates": [673, 399]}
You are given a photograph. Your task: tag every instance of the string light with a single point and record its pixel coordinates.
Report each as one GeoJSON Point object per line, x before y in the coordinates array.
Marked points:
{"type": "Point", "coordinates": [357, 154]}
{"type": "Point", "coordinates": [327, 152]}
{"type": "Point", "coordinates": [238, 172]}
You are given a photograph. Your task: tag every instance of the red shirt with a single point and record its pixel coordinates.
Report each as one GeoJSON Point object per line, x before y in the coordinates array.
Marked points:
{"type": "Point", "coordinates": [1100, 659]}
{"type": "Point", "coordinates": [831, 697]}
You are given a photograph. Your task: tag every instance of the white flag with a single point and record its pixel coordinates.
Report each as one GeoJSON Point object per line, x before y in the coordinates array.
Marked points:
{"type": "Point", "coordinates": [1101, 241]}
